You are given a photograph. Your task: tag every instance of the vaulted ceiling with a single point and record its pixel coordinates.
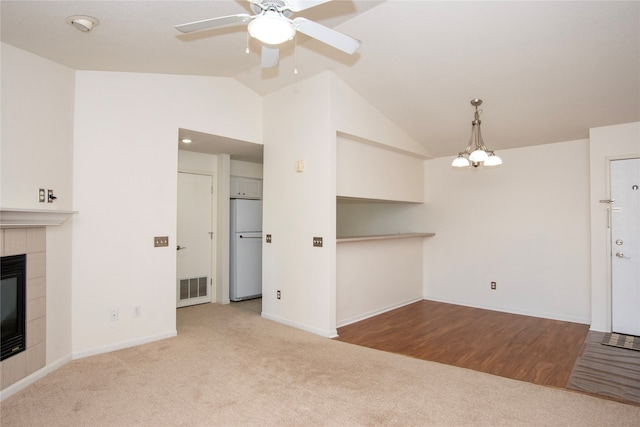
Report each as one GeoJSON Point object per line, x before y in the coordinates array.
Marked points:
{"type": "Point", "coordinates": [546, 71]}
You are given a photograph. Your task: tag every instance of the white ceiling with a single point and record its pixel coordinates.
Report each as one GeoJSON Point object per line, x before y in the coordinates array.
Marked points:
{"type": "Point", "coordinates": [547, 71]}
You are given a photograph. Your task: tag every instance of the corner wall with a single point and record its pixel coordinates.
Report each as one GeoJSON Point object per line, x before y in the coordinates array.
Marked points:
{"type": "Point", "coordinates": [524, 225]}
{"type": "Point", "coordinates": [301, 205]}
{"type": "Point", "coordinates": [125, 189]}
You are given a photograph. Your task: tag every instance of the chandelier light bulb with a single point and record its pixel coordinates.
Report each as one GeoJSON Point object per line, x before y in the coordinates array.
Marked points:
{"type": "Point", "coordinates": [478, 156]}
{"type": "Point", "coordinates": [460, 162]}
{"type": "Point", "coordinates": [493, 160]}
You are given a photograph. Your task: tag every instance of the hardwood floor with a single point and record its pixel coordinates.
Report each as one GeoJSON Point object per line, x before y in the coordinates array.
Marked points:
{"type": "Point", "coordinates": [532, 349]}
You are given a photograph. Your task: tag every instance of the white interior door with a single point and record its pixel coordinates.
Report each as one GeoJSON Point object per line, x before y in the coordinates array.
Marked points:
{"type": "Point", "coordinates": [625, 246]}
{"type": "Point", "coordinates": [195, 239]}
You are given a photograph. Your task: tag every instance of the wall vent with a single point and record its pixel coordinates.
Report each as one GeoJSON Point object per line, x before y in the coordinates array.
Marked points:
{"type": "Point", "coordinates": [193, 287]}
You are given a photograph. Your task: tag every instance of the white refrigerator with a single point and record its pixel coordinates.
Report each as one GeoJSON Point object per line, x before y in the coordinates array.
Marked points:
{"type": "Point", "coordinates": [245, 252]}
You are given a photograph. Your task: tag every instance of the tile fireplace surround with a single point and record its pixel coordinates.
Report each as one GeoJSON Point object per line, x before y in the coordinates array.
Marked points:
{"type": "Point", "coordinates": [32, 242]}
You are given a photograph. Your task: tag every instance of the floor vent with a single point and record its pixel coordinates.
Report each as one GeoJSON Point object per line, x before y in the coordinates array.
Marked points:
{"type": "Point", "coordinates": [194, 287]}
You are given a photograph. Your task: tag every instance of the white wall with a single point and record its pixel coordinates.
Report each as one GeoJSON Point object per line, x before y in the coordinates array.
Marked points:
{"type": "Point", "coordinates": [37, 130]}
{"type": "Point", "coordinates": [126, 130]}
{"type": "Point", "coordinates": [524, 225]}
{"type": "Point", "coordinates": [189, 161]}
{"type": "Point", "coordinates": [377, 172]}
{"type": "Point", "coordinates": [606, 143]}
{"type": "Point", "coordinates": [246, 169]}
{"type": "Point", "coordinates": [37, 152]}
{"type": "Point", "coordinates": [376, 276]}
{"type": "Point", "coordinates": [354, 117]}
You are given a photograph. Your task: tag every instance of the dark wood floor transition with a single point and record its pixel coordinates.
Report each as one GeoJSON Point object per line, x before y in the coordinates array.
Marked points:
{"type": "Point", "coordinates": [532, 349]}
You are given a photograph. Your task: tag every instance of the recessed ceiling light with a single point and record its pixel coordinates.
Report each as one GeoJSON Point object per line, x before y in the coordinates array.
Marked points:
{"type": "Point", "coordinates": [82, 22]}
{"type": "Point", "coordinates": [186, 140]}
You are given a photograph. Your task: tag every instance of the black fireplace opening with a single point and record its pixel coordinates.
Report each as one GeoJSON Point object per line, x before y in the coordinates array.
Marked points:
{"type": "Point", "coordinates": [12, 305]}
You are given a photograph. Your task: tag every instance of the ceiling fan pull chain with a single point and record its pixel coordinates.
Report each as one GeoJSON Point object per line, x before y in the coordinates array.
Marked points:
{"type": "Point", "coordinates": [247, 49]}
{"type": "Point", "coordinates": [295, 55]}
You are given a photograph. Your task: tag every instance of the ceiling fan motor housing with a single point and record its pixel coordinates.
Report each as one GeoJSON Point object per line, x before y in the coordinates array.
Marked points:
{"type": "Point", "coordinates": [277, 5]}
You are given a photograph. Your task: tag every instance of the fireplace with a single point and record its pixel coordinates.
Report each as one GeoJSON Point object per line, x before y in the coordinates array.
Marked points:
{"type": "Point", "coordinates": [12, 305]}
{"type": "Point", "coordinates": [27, 354]}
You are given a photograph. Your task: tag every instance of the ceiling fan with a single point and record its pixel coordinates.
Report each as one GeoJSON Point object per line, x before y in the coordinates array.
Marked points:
{"type": "Point", "coordinates": [272, 26]}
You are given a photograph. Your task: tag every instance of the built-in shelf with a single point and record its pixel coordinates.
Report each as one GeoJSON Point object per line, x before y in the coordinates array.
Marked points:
{"type": "Point", "coordinates": [382, 237]}
{"type": "Point", "coordinates": [18, 218]}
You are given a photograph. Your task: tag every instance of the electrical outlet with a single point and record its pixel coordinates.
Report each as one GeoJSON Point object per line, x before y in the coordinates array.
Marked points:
{"type": "Point", "coordinates": [268, 238]}
{"type": "Point", "coordinates": [278, 295]}
{"type": "Point", "coordinates": [50, 196]}
{"type": "Point", "coordinates": [160, 241]}
{"type": "Point", "coordinates": [317, 242]}
{"type": "Point", "coordinates": [41, 195]}
{"type": "Point", "coordinates": [493, 285]}
{"type": "Point", "coordinates": [115, 315]}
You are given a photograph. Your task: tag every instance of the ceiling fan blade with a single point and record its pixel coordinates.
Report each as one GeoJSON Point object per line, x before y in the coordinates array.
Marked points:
{"type": "Point", "coordinates": [270, 57]}
{"type": "Point", "coordinates": [327, 35]}
{"type": "Point", "coordinates": [213, 23]}
{"type": "Point", "coordinates": [298, 5]}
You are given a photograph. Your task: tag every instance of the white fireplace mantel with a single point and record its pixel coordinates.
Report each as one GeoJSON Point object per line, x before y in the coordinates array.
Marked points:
{"type": "Point", "coordinates": [17, 218]}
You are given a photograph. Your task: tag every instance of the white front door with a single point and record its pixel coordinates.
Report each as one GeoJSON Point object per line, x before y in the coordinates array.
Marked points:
{"type": "Point", "coordinates": [625, 246]}
{"type": "Point", "coordinates": [195, 239]}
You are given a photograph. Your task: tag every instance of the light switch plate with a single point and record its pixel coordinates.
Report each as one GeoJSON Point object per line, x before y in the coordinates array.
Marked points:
{"type": "Point", "coordinates": [160, 241]}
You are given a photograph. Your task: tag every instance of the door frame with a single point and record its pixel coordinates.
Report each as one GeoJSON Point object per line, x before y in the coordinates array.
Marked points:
{"type": "Point", "coordinates": [214, 228]}
{"type": "Point", "coordinates": [609, 308]}
{"type": "Point", "coordinates": [609, 238]}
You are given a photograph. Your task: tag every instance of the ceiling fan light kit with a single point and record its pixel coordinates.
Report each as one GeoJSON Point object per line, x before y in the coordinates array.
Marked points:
{"type": "Point", "coordinates": [476, 152]}
{"type": "Point", "coordinates": [272, 26]}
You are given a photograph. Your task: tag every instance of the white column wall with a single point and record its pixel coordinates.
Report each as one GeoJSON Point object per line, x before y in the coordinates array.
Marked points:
{"type": "Point", "coordinates": [37, 152]}
{"type": "Point", "coordinates": [125, 164]}
{"type": "Point", "coordinates": [298, 206]}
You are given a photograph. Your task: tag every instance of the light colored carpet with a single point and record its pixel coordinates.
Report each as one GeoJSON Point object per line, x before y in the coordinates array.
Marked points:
{"type": "Point", "coordinates": [229, 366]}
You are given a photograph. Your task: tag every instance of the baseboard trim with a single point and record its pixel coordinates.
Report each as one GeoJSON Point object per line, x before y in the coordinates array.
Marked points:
{"type": "Point", "coordinates": [122, 345]}
{"type": "Point", "coordinates": [321, 332]}
{"type": "Point", "coordinates": [372, 313]}
{"type": "Point", "coordinates": [39, 374]}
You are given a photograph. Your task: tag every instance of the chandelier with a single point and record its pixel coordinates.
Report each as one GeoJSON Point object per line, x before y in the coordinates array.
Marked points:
{"type": "Point", "coordinates": [480, 154]}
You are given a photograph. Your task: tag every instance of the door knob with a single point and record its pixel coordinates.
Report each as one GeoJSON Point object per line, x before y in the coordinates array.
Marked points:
{"type": "Point", "coordinates": [181, 247]}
